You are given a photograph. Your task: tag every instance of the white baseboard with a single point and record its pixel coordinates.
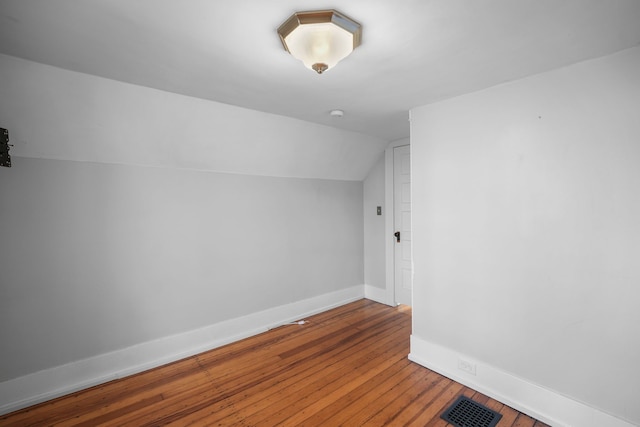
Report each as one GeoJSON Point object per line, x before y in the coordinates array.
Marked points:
{"type": "Point", "coordinates": [376, 294]}
{"type": "Point", "coordinates": [543, 404]}
{"type": "Point", "coordinates": [41, 386]}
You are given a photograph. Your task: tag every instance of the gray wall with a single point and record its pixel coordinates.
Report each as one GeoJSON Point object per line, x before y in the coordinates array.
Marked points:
{"type": "Point", "coordinates": [119, 226]}
{"type": "Point", "coordinates": [98, 257]}
{"type": "Point", "coordinates": [374, 249]}
{"type": "Point", "coordinates": [526, 208]}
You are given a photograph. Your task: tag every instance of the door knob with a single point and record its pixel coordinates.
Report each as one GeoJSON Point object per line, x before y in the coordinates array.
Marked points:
{"type": "Point", "coordinates": [397, 234]}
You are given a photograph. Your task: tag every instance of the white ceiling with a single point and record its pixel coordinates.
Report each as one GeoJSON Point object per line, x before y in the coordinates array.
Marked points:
{"type": "Point", "coordinates": [414, 52]}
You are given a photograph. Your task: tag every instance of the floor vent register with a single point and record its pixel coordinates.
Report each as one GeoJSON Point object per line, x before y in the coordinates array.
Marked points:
{"type": "Point", "coordinates": [466, 413]}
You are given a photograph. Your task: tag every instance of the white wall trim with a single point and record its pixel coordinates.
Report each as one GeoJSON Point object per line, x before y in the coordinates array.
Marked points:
{"type": "Point", "coordinates": [54, 382]}
{"type": "Point", "coordinates": [389, 220]}
{"type": "Point", "coordinates": [543, 404]}
{"type": "Point", "coordinates": [375, 294]}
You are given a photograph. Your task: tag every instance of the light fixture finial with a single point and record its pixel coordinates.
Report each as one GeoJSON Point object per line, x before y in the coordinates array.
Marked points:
{"type": "Point", "coordinates": [319, 67]}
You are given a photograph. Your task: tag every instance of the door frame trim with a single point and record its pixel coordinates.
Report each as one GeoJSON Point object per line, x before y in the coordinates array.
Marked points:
{"type": "Point", "coordinates": [389, 219]}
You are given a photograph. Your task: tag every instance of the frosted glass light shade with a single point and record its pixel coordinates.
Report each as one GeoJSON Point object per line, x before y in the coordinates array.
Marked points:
{"type": "Point", "coordinates": [320, 39]}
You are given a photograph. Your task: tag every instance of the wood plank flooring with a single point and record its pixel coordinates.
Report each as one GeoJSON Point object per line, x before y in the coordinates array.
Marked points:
{"type": "Point", "coordinates": [345, 367]}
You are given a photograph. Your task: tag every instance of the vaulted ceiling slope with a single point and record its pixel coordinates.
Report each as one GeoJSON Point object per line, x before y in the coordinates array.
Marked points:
{"type": "Point", "coordinates": [414, 52]}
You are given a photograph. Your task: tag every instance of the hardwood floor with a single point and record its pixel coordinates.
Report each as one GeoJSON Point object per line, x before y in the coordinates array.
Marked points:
{"type": "Point", "coordinates": [345, 367]}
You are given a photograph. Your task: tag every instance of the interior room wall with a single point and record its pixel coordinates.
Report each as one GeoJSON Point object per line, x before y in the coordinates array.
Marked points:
{"type": "Point", "coordinates": [100, 257]}
{"type": "Point", "coordinates": [133, 216]}
{"type": "Point", "coordinates": [374, 250]}
{"type": "Point", "coordinates": [526, 199]}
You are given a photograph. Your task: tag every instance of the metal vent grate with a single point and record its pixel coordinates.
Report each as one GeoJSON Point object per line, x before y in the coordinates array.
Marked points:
{"type": "Point", "coordinates": [467, 413]}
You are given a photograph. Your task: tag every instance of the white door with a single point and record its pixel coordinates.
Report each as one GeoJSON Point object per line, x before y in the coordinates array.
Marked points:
{"type": "Point", "coordinates": [403, 276]}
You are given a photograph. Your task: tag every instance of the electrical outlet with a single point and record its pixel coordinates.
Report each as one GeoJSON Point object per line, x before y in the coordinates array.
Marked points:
{"type": "Point", "coordinates": [467, 366]}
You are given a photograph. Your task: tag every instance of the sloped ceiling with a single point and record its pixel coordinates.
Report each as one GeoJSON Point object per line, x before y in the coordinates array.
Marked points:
{"type": "Point", "coordinates": [414, 52]}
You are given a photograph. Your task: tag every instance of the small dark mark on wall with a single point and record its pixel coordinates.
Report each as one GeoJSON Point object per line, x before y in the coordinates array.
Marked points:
{"type": "Point", "coordinates": [5, 158]}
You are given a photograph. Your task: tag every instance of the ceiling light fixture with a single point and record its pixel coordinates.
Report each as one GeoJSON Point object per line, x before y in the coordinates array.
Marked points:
{"type": "Point", "coordinates": [320, 39]}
